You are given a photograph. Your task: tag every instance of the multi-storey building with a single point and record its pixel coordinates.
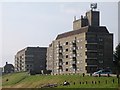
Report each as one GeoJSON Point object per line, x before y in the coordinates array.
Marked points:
{"type": "Point", "coordinates": [87, 48]}
{"type": "Point", "coordinates": [31, 59]}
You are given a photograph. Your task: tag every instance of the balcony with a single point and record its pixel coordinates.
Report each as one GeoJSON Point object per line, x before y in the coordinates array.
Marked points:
{"type": "Point", "coordinates": [74, 44]}
{"type": "Point", "coordinates": [88, 57]}
{"type": "Point", "coordinates": [74, 66]}
{"type": "Point", "coordinates": [60, 67]}
{"type": "Point", "coordinates": [60, 53]}
{"type": "Point", "coordinates": [91, 50]}
{"type": "Point", "coordinates": [60, 50]}
{"type": "Point", "coordinates": [60, 60]}
{"type": "Point", "coordinates": [91, 40]}
{"type": "Point", "coordinates": [60, 56]}
{"type": "Point", "coordinates": [74, 58]}
{"type": "Point", "coordinates": [91, 55]}
{"type": "Point", "coordinates": [91, 43]}
{"type": "Point", "coordinates": [60, 47]}
{"type": "Point", "coordinates": [74, 62]}
{"type": "Point", "coordinates": [91, 62]}
{"type": "Point", "coordinates": [74, 52]}
{"type": "Point", "coordinates": [60, 63]}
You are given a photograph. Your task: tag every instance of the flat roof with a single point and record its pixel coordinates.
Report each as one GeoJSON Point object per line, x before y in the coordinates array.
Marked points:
{"type": "Point", "coordinates": [100, 29]}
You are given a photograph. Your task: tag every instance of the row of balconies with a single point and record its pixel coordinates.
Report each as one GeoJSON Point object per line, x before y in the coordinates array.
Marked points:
{"type": "Point", "coordinates": [74, 66]}
{"type": "Point", "coordinates": [74, 62]}
{"type": "Point", "coordinates": [88, 42]}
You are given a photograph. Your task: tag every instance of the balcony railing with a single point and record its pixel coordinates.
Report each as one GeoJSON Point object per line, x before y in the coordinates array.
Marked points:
{"type": "Point", "coordinates": [60, 46]}
{"type": "Point", "coordinates": [74, 66]}
{"type": "Point", "coordinates": [60, 67]}
{"type": "Point", "coordinates": [60, 56]}
{"type": "Point", "coordinates": [74, 51]}
{"type": "Point", "coordinates": [74, 58]}
{"type": "Point", "coordinates": [60, 60]}
{"type": "Point", "coordinates": [60, 63]}
{"type": "Point", "coordinates": [60, 50]}
{"type": "Point", "coordinates": [73, 62]}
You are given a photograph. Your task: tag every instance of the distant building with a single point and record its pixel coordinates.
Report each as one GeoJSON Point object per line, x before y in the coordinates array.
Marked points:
{"type": "Point", "coordinates": [1, 70]}
{"type": "Point", "coordinates": [86, 49]}
{"type": "Point", "coordinates": [31, 59]}
{"type": "Point", "coordinates": [8, 68]}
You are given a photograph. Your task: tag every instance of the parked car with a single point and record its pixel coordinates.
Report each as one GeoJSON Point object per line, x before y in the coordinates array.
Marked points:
{"type": "Point", "coordinates": [103, 72]}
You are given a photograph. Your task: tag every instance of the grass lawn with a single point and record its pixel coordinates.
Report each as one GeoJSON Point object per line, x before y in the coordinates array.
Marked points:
{"type": "Point", "coordinates": [23, 80]}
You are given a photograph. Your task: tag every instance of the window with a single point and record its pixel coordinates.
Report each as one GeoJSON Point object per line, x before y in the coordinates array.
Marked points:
{"type": "Point", "coordinates": [101, 61]}
{"type": "Point", "coordinates": [100, 39]}
{"type": "Point", "coordinates": [67, 69]}
{"type": "Point", "coordinates": [66, 43]}
{"type": "Point", "coordinates": [100, 54]}
{"type": "Point", "coordinates": [66, 49]}
{"type": "Point", "coordinates": [27, 65]}
{"type": "Point", "coordinates": [66, 56]}
{"type": "Point", "coordinates": [66, 63]}
{"type": "Point", "coordinates": [101, 46]}
{"type": "Point", "coordinates": [30, 65]}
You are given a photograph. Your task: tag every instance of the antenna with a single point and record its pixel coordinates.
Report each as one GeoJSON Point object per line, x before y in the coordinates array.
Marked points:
{"type": "Point", "coordinates": [74, 18]}
{"type": "Point", "coordinates": [93, 6]}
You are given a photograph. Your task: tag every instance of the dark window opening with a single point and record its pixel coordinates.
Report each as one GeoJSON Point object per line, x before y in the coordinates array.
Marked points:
{"type": "Point", "coordinates": [66, 63]}
{"type": "Point", "coordinates": [66, 49]}
{"type": "Point", "coordinates": [66, 43]}
{"type": "Point", "coordinates": [27, 65]}
{"type": "Point", "coordinates": [66, 69]}
{"type": "Point", "coordinates": [66, 56]}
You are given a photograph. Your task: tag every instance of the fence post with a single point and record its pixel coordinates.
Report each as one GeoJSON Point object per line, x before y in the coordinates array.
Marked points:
{"type": "Point", "coordinates": [106, 81]}
{"type": "Point", "coordinates": [83, 74]}
{"type": "Point", "coordinates": [113, 80]}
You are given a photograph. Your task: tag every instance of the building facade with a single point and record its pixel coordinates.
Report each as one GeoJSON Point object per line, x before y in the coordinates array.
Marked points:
{"type": "Point", "coordinates": [31, 59]}
{"type": "Point", "coordinates": [85, 49]}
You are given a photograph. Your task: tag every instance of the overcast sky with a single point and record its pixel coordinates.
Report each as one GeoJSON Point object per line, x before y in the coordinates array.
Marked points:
{"type": "Point", "coordinates": [38, 23]}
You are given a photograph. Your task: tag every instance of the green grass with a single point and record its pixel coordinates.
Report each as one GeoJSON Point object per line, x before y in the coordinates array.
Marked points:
{"type": "Point", "coordinates": [13, 79]}
{"type": "Point", "coordinates": [23, 80]}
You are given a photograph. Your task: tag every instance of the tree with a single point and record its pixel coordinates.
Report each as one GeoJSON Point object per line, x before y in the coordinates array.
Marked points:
{"type": "Point", "coordinates": [117, 56]}
{"type": "Point", "coordinates": [117, 59]}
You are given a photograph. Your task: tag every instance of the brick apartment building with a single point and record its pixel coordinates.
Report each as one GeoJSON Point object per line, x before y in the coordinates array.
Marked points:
{"type": "Point", "coordinates": [85, 49]}
{"type": "Point", "coordinates": [31, 59]}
